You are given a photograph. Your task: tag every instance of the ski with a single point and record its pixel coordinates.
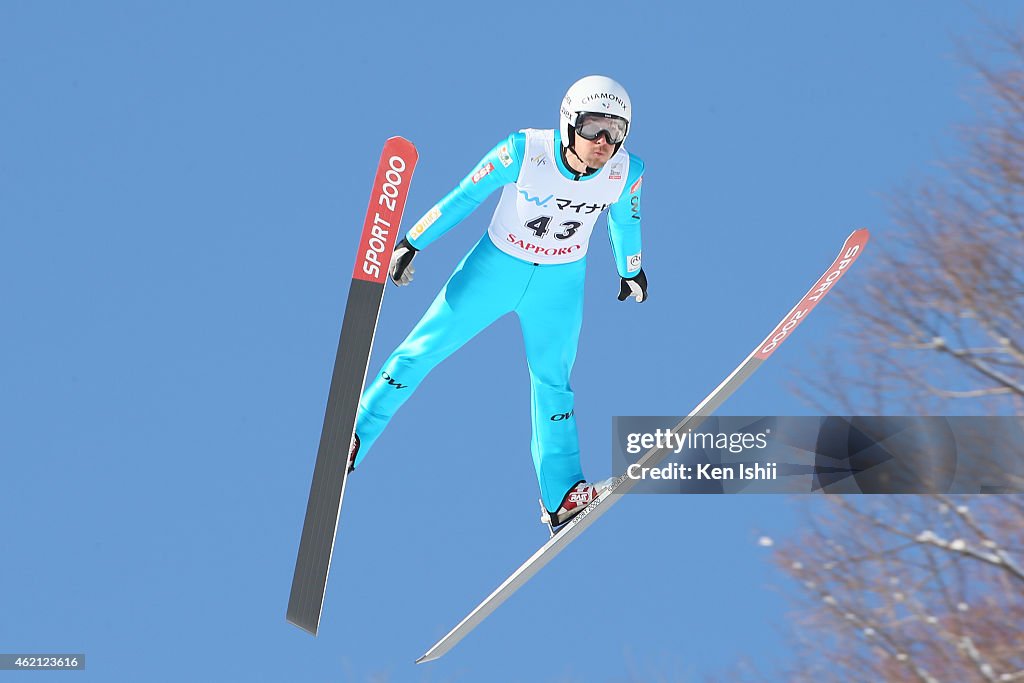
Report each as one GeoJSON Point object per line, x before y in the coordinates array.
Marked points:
{"type": "Point", "coordinates": [852, 248]}
{"type": "Point", "coordinates": [330, 473]}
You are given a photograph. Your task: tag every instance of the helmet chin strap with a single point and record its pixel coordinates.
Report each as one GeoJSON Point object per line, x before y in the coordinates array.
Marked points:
{"type": "Point", "coordinates": [572, 148]}
{"type": "Point", "coordinates": [589, 171]}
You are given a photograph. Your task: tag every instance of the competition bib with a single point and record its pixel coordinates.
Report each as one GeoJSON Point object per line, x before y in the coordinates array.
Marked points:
{"type": "Point", "coordinates": [547, 218]}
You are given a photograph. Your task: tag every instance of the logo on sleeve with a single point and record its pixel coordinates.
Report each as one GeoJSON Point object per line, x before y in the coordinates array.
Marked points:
{"type": "Point", "coordinates": [636, 185]}
{"type": "Point", "coordinates": [504, 157]}
{"type": "Point", "coordinates": [634, 261]}
{"type": "Point", "coordinates": [481, 172]}
{"type": "Point", "coordinates": [425, 222]}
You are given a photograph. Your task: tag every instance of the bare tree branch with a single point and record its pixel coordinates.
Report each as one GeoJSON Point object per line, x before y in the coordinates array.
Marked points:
{"type": "Point", "coordinates": [937, 322]}
{"type": "Point", "coordinates": [916, 588]}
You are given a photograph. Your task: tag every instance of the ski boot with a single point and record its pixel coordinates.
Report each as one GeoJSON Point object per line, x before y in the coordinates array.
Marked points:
{"type": "Point", "coordinates": [575, 500]}
{"type": "Point", "coordinates": [353, 450]}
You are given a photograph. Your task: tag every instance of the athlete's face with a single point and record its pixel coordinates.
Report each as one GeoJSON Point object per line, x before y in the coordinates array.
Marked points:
{"type": "Point", "coordinates": [595, 153]}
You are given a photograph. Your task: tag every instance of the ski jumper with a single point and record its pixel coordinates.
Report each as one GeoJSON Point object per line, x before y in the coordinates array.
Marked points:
{"type": "Point", "coordinates": [532, 262]}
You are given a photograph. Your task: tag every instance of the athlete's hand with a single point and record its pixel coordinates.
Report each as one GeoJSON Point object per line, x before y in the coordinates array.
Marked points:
{"type": "Point", "coordinates": [635, 287]}
{"type": "Point", "coordinates": [401, 269]}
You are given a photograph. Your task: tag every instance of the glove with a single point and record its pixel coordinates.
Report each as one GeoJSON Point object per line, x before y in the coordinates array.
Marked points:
{"type": "Point", "coordinates": [635, 287]}
{"type": "Point", "coordinates": [401, 269]}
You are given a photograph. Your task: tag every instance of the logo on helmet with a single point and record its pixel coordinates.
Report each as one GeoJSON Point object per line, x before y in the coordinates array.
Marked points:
{"type": "Point", "coordinates": [606, 99]}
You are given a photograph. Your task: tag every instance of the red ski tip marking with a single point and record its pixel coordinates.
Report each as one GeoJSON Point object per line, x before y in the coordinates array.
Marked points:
{"type": "Point", "coordinates": [387, 203]}
{"type": "Point", "coordinates": [848, 254]}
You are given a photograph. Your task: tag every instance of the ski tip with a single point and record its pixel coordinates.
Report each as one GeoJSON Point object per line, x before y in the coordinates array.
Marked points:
{"type": "Point", "coordinates": [860, 235]}
{"type": "Point", "coordinates": [424, 658]}
{"type": "Point", "coordinates": [399, 141]}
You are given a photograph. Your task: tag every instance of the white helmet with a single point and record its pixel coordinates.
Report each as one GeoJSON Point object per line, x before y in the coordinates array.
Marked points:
{"type": "Point", "coordinates": [594, 94]}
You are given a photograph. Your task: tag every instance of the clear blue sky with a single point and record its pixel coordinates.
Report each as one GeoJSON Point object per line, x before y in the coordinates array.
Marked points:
{"type": "Point", "coordinates": [181, 191]}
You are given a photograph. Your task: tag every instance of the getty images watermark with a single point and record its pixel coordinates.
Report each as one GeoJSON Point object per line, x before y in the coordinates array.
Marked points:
{"type": "Point", "coordinates": [826, 454]}
{"type": "Point", "coordinates": [670, 441]}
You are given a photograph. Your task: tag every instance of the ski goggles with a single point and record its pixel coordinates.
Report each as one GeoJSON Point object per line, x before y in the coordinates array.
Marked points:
{"type": "Point", "coordinates": [591, 125]}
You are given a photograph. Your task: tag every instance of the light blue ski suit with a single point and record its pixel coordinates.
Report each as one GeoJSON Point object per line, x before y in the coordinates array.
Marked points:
{"type": "Point", "coordinates": [487, 284]}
